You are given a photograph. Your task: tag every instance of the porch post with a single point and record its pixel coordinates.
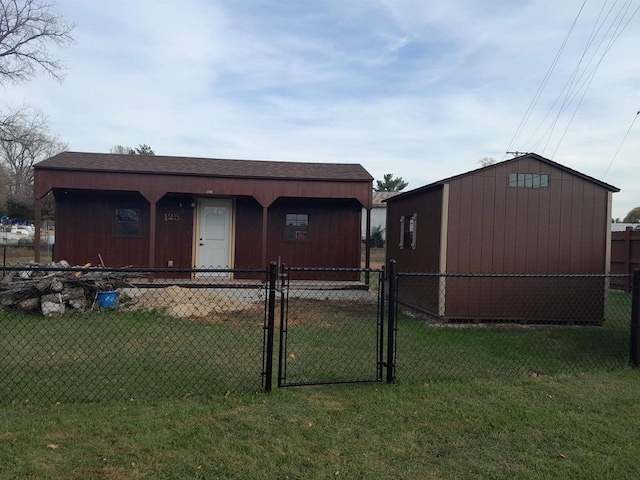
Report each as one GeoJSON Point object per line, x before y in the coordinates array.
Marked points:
{"type": "Point", "coordinates": [36, 238]}
{"type": "Point", "coordinates": [264, 234]}
{"type": "Point", "coordinates": [152, 234]}
{"type": "Point", "coordinates": [367, 251]}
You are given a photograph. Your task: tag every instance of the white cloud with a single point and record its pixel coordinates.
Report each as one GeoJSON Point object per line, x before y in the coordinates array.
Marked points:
{"type": "Point", "coordinates": [419, 88]}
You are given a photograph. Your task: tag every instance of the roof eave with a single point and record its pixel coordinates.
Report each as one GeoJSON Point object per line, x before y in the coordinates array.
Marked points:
{"type": "Point", "coordinates": [542, 159]}
{"type": "Point", "coordinates": [212, 175]}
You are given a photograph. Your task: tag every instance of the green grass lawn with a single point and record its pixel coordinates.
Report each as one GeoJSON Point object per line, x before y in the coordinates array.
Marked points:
{"type": "Point", "coordinates": [179, 398]}
{"type": "Point", "coordinates": [124, 355]}
{"type": "Point", "coordinates": [582, 426]}
{"type": "Point", "coordinates": [429, 350]}
{"type": "Point", "coordinates": [331, 341]}
{"type": "Point", "coordinates": [145, 355]}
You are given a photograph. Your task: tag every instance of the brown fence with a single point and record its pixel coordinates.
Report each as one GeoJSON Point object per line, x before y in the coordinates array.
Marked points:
{"type": "Point", "coordinates": [625, 257]}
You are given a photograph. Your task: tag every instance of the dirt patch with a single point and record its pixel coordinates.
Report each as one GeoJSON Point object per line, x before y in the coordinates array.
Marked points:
{"type": "Point", "coordinates": [115, 473]}
{"type": "Point", "coordinates": [377, 259]}
{"type": "Point", "coordinates": [328, 404]}
{"type": "Point", "coordinates": [199, 304]}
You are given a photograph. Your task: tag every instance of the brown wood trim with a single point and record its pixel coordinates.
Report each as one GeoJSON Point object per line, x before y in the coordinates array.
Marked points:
{"type": "Point", "coordinates": [152, 234]}
{"type": "Point", "coordinates": [36, 238]}
{"type": "Point", "coordinates": [607, 254]}
{"type": "Point", "coordinates": [444, 231]}
{"type": "Point", "coordinates": [265, 224]}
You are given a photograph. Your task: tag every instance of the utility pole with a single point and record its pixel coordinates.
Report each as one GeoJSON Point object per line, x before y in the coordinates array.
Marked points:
{"type": "Point", "coordinates": [517, 154]}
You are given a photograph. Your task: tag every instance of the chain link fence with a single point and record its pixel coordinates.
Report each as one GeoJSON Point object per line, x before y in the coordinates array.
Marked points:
{"type": "Point", "coordinates": [331, 326]}
{"type": "Point", "coordinates": [91, 334]}
{"type": "Point", "coordinates": [19, 254]}
{"type": "Point", "coordinates": [70, 334]}
{"type": "Point", "coordinates": [464, 326]}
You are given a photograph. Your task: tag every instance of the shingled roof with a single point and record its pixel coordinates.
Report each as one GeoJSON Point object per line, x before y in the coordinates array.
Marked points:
{"type": "Point", "coordinates": [213, 167]}
{"type": "Point", "coordinates": [535, 156]}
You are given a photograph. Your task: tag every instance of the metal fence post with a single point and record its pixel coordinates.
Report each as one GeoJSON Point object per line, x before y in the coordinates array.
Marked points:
{"type": "Point", "coordinates": [382, 278]}
{"type": "Point", "coordinates": [283, 285]}
{"type": "Point", "coordinates": [273, 278]}
{"type": "Point", "coordinates": [391, 323]}
{"type": "Point", "coordinates": [634, 345]}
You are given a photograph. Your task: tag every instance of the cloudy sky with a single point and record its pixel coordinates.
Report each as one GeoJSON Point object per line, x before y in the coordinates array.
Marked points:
{"type": "Point", "coordinates": [422, 89]}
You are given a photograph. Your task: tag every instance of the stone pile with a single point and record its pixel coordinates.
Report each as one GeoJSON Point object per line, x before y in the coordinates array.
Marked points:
{"type": "Point", "coordinates": [54, 288]}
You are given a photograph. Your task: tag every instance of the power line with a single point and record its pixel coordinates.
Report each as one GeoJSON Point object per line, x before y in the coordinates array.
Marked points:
{"type": "Point", "coordinates": [536, 97]}
{"type": "Point", "coordinates": [614, 38]}
{"type": "Point", "coordinates": [621, 143]}
{"type": "Point", "coordinates": [574, 78]}
{"type": "Point", "coordinates": [592, 36]}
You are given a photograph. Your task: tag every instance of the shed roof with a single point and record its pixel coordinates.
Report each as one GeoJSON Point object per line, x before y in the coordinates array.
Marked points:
{"type": "Point", "coordinates": [380, 197]}
{"type": "Point", "coordinates": [210, 167]}
{"type": "Point", "coordinates": [515, 159]}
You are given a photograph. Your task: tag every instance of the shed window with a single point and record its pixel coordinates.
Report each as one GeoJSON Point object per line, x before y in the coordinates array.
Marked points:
{"type": "Point", "coordinates": [296, 227]}
{"type": "Point", "coordinates": [529, 180]}
{"type": "Point", "coordinates": [408, 231]}
{"type": "Point", "coordinates": [127, 222]}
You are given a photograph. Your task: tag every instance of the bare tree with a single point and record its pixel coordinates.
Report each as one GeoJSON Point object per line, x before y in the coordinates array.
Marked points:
{"type": "Point", "coordinates": [17, 122]}
{"type": "Point", "coordinates": [27, 29]}
{"type": "Point", "coordinates": [486, 161]}
{"type": "Point", "coordinates": [28, 142]}
{"type": "Point", "coordinates": [4, 187]}
{"type": "Point", "coordinates": [121, 150]}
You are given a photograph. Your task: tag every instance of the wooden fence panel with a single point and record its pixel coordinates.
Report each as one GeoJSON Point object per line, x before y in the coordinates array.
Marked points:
{"type": "Point", "coordinates": [625, 256]}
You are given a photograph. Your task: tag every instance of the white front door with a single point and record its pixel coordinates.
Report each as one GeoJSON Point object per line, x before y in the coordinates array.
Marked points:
{"type": "Point", "coordinates": [214, 232]}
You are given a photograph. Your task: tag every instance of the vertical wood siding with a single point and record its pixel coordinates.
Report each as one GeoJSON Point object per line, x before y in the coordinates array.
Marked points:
{"type": "Point", "coordinates": [174, 232]}
{"type": "Point", "coordinates": [333, 234]}
{"type": "Point", "coordinates": [494, 228]}
{"type": "Point", "coordinates": [417, 291]}
{"type": "Point", "coordinates": [625, 257]}
{"type": "Point", "coordinates": [84, 229]}
{"type": "Point", "coordinates": [248, 234]}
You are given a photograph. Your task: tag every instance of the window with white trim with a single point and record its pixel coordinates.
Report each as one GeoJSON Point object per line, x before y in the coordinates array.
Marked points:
{"type": "Point", "coordinates": [408, 225]}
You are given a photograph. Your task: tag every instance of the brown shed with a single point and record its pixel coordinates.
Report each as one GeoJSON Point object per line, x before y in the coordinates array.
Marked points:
{"type": "Point", "coordinates": [527, 215]}
{"type": "Point", "coordinates": [161, 211]}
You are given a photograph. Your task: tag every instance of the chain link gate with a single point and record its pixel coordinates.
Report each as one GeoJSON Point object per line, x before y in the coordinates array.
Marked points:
{"type": "Point", "coordinates": [331, 326]}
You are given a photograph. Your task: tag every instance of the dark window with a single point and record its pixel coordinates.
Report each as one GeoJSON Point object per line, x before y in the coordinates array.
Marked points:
{"type": "Point", "coordinates": [127, 222]}
{"type": "Point", "coordinates": [408, 231]}
{"type": "Point", "coordinates": [296, 227]}
{"type": "Point", "coordinates": [529, 180]}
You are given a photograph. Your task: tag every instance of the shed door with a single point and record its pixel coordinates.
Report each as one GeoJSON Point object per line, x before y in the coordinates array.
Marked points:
{"type": "Point", "coordinates": [214, 230]}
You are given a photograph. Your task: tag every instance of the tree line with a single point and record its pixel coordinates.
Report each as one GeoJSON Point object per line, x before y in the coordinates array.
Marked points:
{"type": "Point", "coordinates": [28, 30]}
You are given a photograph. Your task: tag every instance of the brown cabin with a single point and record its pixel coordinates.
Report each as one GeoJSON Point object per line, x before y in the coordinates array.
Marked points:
{"type": "Point", "coordinates": [527, 215]}
{"type": "Point", "coordinates": [181, 212]}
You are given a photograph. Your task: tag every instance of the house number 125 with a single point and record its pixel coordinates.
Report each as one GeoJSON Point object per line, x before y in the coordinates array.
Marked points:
{"type": "Point", "coordinates": [171, 217]}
